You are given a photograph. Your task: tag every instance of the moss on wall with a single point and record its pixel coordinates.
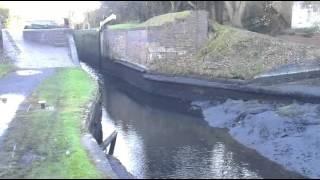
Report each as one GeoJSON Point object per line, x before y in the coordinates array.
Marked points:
{"type": "Point", "coordinates": [241, 54]}
{"type": "Point", "coordinates": [155, 21]}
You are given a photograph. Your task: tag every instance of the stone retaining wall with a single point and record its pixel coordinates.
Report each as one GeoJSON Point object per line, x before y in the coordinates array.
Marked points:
{"type": "Point", "coordinates": [172, 45]}
{"type": "Point", "coordinates": [1, 39]}
{"type": "Point", "coordinates": [53, 37]}
{"type": "Point", "coordinates": [87, 43]}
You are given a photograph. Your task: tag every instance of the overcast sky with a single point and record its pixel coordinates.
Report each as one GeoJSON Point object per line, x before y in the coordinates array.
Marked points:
{"type": "Point", "coordinates": [49, 9]}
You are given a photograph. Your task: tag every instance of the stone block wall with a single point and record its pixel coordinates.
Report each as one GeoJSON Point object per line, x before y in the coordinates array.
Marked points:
{"type": "Point", "coordinates": [159, 48]}
{"type": "Point", "coordinates": [53, 37]}
{"type": "Point", "coordinates": [87, 43]}
{"type": "Point", "coordinates": [1, 39]}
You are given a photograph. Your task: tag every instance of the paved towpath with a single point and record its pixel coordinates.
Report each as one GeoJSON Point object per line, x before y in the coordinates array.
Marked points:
{"type": "Point", "coordinates": [34, 63]}
{"type": "Point", "coordinates": [33, 55]}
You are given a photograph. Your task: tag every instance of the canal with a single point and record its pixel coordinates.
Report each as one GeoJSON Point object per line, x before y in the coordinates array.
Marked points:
{"type": "Point", "coordinates": [160, 137]}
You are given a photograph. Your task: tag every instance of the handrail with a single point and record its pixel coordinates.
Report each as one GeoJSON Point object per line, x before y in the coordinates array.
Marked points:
{"type": "Point", "coordinates": [111, 140]}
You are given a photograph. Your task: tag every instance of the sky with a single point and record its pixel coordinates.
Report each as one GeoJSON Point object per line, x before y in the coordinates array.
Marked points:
{"type": "Point", "coordinates": [302, 18]}
{"type": "Point", "coordinates": [54, 10]}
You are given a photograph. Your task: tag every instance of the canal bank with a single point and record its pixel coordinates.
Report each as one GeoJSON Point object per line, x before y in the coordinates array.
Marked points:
{"type": "Point", "coordinates": [59, 138]}
{"type": "Point", "coordinates": [186, 90]}
{"type": "Point", "coordinates": [157, 138]}
{"type": "Point", "coordinates": [304, 88]}
{"type": "Point", "coordinates": [161, 60]}
{"type": "Point", "coordinates": [46, 142]}
{"type": "Point", "coordinates": [182, 55]}
{"type": "Point", "coordinates": [59, 141]}
{"type": "Point", "coordinates": [298, 118]}
{"type": "Point", "coordinates": [295, 82]}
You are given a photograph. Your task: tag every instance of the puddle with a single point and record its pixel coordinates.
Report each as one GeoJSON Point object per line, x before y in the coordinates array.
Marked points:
{"type": "Point", "coordinates": [28, 72]}
{"type": "Point", "coordinates": [8, 109]}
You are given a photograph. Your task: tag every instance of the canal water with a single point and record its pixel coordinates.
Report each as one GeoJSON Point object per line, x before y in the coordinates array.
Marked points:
{"type": "Point", "coordinates": [164, 138]}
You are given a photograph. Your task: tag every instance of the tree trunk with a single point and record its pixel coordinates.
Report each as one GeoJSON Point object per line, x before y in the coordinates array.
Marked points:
{"type": "Point", "coordinates": [218, 11]}
{"type": "Point", "coordinates": [235, 10]}
{"type": "Point", "coordinates": [172, 6]}
{"type": "Point", "coordinates": [178, 5]}
{"type": "Point", "coordinates": [194, 7]}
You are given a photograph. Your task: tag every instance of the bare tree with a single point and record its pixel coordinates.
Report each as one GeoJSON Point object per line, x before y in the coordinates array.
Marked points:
{"type": "Point", "coordinates": [235, 11]}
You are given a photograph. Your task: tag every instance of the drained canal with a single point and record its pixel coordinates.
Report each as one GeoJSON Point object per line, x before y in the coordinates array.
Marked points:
{"type": "Point", "coordinates": [164, 138]}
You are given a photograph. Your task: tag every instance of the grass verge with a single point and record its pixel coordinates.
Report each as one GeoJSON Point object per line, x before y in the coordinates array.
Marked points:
{"type": "Point", "coordinates": [6, 65]}
{"type": "Point", "coordinates": [233, 53]}
{"type": "Point", "coordinates": [47, 143]}
{"type": "Point", "coordinates": [5, 69]}
{"type": "Point", "coordinates": [154, 21]}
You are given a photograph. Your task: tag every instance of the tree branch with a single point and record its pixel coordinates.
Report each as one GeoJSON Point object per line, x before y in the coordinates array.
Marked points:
{"type": "Point", "coordinates": [192, 5]}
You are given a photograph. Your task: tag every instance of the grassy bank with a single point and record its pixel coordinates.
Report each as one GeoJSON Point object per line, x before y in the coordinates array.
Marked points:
{"type": "Point", "coordinates": [241, 54]}
{"type": "Point", "coordinates": [229, 53]}
{"type": "Point", "coordinates": [233, 53]}
{"type": "Point", "coordinates": [46, 143]}
{"type": "Point", "coordinates": [154, 21]}
{"type": "Point", "coordinates": [5, 69]}
{"type": "Point", "coordinates": [6, 65]}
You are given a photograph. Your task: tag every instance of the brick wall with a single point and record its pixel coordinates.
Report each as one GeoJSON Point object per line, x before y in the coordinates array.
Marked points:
{"type": "Point", "coordinates": [160, 48]}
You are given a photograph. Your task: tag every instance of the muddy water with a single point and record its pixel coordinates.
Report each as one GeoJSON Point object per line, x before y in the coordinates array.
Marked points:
{"type": "Point", "coordinates": [162, 138]}
{"type": "Point", "coordinates": [156, 140]}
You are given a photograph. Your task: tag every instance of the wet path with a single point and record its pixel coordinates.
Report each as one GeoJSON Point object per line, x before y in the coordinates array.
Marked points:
{"type": "Point", "coordinates": [33, 55]}
{"type": "Point", "coordinates": [34, 63]}
{"type": "Point", "coordinates": [14, 88]}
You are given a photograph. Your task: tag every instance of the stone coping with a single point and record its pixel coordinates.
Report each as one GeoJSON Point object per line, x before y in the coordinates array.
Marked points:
{"type": "Point", "coordinates": [249, 87]}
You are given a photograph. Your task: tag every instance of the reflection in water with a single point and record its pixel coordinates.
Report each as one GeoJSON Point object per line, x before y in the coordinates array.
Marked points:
{"type": "Point", "coordinates": [223, 164]}
{"type": "Point", "coordinates": [123, 147]}
{"type": "Point", "coordinates": [157, 143]}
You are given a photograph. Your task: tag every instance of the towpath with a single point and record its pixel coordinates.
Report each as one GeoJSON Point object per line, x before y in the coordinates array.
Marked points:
{"type": "Point", "coordinates": [34, 63]}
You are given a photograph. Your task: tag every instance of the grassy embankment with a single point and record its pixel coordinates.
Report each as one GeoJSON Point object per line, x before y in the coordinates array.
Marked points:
{"type": "Point", "coordinates": [47, 143]}
{"type": "Point", "coordinates": [155, 21]}
{"type": "Point", "coordinates": [5, 65]}
{"type": "Point", "coordinates": [230, 52]}
{"type": "Point", "coordinates": [5, 69]}
{"type": "Point", "coordinates": [241, 54]}
{"type": "Point", "coordinates": [233, 53]}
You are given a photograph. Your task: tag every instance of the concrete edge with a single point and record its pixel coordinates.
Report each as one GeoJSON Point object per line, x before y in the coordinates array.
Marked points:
{"type": "Point", "coordinates": [11, 41]}
{"type": "Point", "coordinates": [119, 168]}
{"type": "Point", "coordinates": [89, 140]}
{"type": "Point", "coordinates": [73, 50]}
{"type": "Point", "coordinates": [98, 156]}
{"type": "Point", "coordinates": [243, 87]}
{"type": "Point", "coordinates": [49, 29]}
{"type": "Point", "coordinates": [288, 77]}
{"type": "Point", "coordinates": [234, 87]}
{"type": "Point", "coordinates": [90, 143]}
{"type": "Point", "coordinates": [132, 66]}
